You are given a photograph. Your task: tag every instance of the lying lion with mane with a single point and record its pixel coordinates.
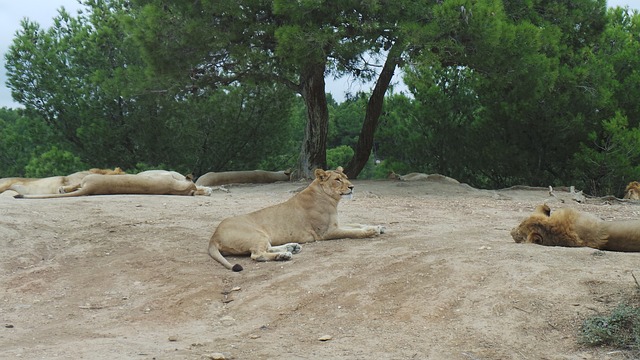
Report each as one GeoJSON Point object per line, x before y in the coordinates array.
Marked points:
{"type": "Point", "coordinates": [573, 228]}
{"type": "Point", "coordinates": [50, 185]}
{"type": "Point", "coordinates": [632, 192]}
{"type": "Point", "coordinates": [274, 233]}
{"type": "Point", "coordinates": [152, 182]}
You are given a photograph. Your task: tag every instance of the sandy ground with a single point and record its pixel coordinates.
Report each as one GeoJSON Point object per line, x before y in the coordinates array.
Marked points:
{"type": "Point", "coordinates": [128, 277]}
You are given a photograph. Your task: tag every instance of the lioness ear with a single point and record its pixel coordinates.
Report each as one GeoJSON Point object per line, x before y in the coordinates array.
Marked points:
{"type": "Point", "coordinates": [320, 174]}
{"type": "Point", "coordinates": [339, 169]}
{"type": "Point", "coordinates": [534, 238]}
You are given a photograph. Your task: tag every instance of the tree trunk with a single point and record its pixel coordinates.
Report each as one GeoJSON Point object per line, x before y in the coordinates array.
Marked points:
{"type": "Point", "coordinates": [314, 146]}
{"type": "Point", "coordinates": [372, 115]}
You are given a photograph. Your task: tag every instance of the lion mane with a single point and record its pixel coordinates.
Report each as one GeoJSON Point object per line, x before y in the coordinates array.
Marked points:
{"type": "Point", "coordinates": [632, 192]}
{"type": "Point", "coordinates": [572, 228]}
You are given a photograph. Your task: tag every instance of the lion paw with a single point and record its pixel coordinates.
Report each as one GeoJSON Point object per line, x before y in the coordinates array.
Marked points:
{"type": "Point", "coordinates": [381, 229]}
{"type": "Point", "coordinates": [61, 190]}
{"type": "Point", "coordinates": [294, 248]}
{"type": "Point", "coordinates": [284, 256]}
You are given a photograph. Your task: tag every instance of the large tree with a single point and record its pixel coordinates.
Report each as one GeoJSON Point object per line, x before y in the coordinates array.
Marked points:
{"type": "Point", "coordinates": [296, 43]}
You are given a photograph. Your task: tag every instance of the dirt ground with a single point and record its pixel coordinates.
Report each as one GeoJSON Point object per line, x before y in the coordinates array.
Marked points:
{"type": "Point", "coordinates": [128, 277]}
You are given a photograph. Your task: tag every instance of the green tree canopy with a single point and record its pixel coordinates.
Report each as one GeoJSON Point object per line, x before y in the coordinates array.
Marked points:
{"type": "Point", "coordinates": [86, 78]}
{"type": "Point", "coordinates": [212, 43]}
{"type": "Point", "coordinates": [20, 138]}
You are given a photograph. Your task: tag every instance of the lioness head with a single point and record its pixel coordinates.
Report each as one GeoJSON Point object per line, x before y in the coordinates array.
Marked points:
{"type": "Point", "coordinates": [334, 182]}
{"type": "Point", "coordinates": [393, 176]}
{"type": "Point", "coordinates": [531, 230]}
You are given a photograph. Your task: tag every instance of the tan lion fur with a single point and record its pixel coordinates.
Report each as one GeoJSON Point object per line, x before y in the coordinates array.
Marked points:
{"type": "Point", "coordinates": [200, 190]}
{"type": "Point", "coordinates": [573, 228]}
{"type": "Point", "coordinates": [96, 184]}
{"type": "Point", "coordinates": [422, 177]}
{"type": "Point", "coordinates": [50, 185]}
{"type": "Point", "coordinates": [273, 233]}
{"type": "Point", "coordinates": [242, 177]}
{"type": "Point", "coordinates": [632, 192]}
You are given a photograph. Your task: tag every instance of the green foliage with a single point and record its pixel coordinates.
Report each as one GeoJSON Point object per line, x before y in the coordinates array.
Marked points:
{"type": "Point", "coordinates": [620, 329]}
{"type": "Point", "coordinates": [290, 140]}
{"type": "Point", "coordinates": [339, 156]}
{"type": "Point", "coordinates": [502, 93]}
{"type": "Point", "coordinates": [396, 140]}
{"type": "Point", "coordinates": [291, 43]}
{"type": "Point", "coordinates": [610, 160]}
{"type": "Point", "coordinates": [82, 77]}
{"type": "Point", "coordinates": [374, 169]}
{"type": "Point", "coordinates": [345, 121]}
{"type": "Point", "coordinates": [20, 137]}
{"type": "Point", "coordinates": [54, 162]}
{"type": "Point", "coordinates": [525, 89]}
{"type": "Point", "coordinates": [447, 114]}
{"type": "Point", "coordinates": [242, 128]}
{"type": "Point", "coordinates": [87, 78]}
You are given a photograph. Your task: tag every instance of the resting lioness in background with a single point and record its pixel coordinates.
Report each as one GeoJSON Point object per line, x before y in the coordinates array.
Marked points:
{"type": "Point", "coordinates": [242, 177]}
{"type": "Point", "coordinates": [154, 184]}
{"type": "Point", "coordinates": [200, 190]}
{"type": "Point", "coordinates": [422, 177]}
{"type": "Point", "coordinates": [273, 233]}
{"type": "Point", "coordinates": [573, 228]}
{"type": "Point", "coordinates": [50, 185]}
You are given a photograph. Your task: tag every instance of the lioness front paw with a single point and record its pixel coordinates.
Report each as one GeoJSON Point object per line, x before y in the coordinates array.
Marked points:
{"type": "Point", "coordinates": [294, 248]}
{"type": "Point", "coordinates": [61, 190]}
{"type": "Point", "coordinates": [284, 256]}
{"type": "Point", "coordinates": [381, 229]}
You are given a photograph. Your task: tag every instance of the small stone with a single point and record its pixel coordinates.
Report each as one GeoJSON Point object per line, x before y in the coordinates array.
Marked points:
{"type": "Point", "coordinates": [325, 338]}
{"type": "Point", "coordinates": [217, 356]}
{"type": "Point", "coordinates": [254, 336]}
{"type": "Point", "coordinates": [173, 338]}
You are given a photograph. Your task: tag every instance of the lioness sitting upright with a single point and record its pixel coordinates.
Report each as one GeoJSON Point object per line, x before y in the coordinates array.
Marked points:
{"type": "Point", "coordinates": [273, 233]}
{"type": "Point", "coordinates": [572, 228]}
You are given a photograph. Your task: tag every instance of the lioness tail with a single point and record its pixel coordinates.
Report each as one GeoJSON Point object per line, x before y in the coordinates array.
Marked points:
{"type": "Point", "coordinates": [215, 254]}
{"type": "Point", "coordinates": [52, 196]}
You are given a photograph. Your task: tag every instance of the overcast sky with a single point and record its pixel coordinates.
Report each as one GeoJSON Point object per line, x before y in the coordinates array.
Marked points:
{"type": "Point", "coordinates": [43, 12]}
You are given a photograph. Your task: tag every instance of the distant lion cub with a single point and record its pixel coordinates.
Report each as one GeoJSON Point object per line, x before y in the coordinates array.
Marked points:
{"type": "Point", "coordinates": [273, 233]}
